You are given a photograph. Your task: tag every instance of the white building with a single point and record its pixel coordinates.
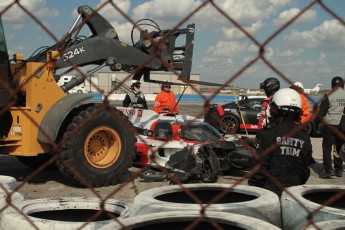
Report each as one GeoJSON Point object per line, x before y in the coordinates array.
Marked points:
{"type": "Point", "coordinates": [110, 81]}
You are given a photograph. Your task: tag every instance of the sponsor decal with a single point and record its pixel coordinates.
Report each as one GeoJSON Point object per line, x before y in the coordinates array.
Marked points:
{"type": "Point", "coordinates": [132, 112]}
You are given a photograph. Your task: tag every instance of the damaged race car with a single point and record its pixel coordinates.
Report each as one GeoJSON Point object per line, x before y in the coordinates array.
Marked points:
{"type": "Point", "coordinates": [189, 148]}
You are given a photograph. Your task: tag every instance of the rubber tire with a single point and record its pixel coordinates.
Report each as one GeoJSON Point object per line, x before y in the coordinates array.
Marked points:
{"type": "Point", "coordinates": [79, 91]}
{"type": "Point", "coordinates": [12, 219]}
{"type": "Point", "coordinates": [234, 122]}
{"type": "Point", "coordinates": [73, 148]}
{"type": "Point", "coordinates": [210, 172]}
{"type": "Point", "coordinates": [183, 219]}
{"type": "Point", "coordinates": [153, 176]}
{"type": "Point", "coordinates": [294, 215]}
{"type": "Point", "coordinates": [259, 203]}
{"type": "Point", "coordinates": [16, 200]}
{"type": "Point", "coordinates": [34, 162]}
{"type": "Point", "coordinates": [8, 182]}
{"type": "Point", "coordinates": [327, 225]}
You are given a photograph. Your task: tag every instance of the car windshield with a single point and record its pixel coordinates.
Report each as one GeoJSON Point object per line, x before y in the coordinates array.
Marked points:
{"type": "Point", "coordinates": [200, 132]}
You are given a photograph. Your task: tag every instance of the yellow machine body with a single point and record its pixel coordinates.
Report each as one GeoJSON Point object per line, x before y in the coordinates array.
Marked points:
{"type": "Point", "coordinates": [39, 91]}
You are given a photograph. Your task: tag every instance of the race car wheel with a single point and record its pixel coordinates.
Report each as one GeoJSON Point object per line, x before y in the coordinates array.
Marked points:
{"type": "Point", "coordinates": [230, 124]}
{"type": "Point", "coordinates": [242, 199]}
{"type": "Point", "coordinates": [153, 176]}
{"type": "Point", "coordinates": [311, 197]}
{"type": "Point", "coordinates": [211, 167]}
{"type": "Point", "coordinates": [101, 151]}
{"type": "Point", "coordinates": [187, 219]}
{"type": "Point", "coordinates": [64, 213]}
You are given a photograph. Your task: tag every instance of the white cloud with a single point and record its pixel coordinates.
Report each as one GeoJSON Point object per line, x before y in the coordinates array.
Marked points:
{"type": "Point", "coordinates": [236, 34]}
{"type": "Point", "coordinates": [322, 56]}
{"type": "Point", "coordinates": [19, 18]}
{"type": "Point", "coordinates": [111, 13]}
{"type": "Point", "coordinates": [290, 53]}
{"type": "Point", "coordinates": [330, 34]}
{"type": "Point", "coordinates": [307, 17]}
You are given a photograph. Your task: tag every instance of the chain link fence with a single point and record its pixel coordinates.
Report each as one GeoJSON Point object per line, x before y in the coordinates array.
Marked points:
{"type": "Point", "coordinates": [87, 132]}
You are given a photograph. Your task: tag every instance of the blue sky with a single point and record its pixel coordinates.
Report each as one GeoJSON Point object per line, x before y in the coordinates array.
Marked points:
{"type": "Point", "coordinates": [311, 50]}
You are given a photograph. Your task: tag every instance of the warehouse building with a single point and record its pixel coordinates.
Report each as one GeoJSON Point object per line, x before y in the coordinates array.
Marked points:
{"type": "Point", "coordinates": [108, 81]}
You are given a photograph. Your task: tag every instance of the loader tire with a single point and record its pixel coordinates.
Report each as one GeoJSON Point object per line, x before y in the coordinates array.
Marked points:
{"type": "Point", "coordinates": [34, 162]}
{"type": "Point", "coordinates": [101, 151]}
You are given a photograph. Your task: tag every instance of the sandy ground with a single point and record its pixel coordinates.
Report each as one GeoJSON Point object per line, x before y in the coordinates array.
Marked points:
{"type": "Point", "coordinates": [51, 184]}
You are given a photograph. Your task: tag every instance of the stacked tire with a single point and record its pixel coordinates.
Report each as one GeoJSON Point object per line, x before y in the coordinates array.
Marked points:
{"type": "Point", "coordinates": [63, 213]}
{"type": "Point", "coordinates": [8, 183]}
{"type": "Point", "coordinates": [298, 203]}
{"type": "Point", "coordinates": [190, 220]}
{"type": "Point", "coordinates": [243, 200]}
{"type": "Point", "coordinates": [8, 197]}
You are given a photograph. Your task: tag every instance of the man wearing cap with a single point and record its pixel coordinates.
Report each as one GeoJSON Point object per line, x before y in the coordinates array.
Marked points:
{"type": "Point", "coordinates": [331, 111]}
{"type": "Point", "coordinates": [135, 98]}
{"type": "Point", "coordinates": [165, 101]}
{"type": "Point", "coordinates": [270, 86]}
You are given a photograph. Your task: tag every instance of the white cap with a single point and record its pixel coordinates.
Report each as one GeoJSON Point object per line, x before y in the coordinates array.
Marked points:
{"type": "Point", "coordinates": [298, 84]}
{"type": "Point", "coordinates": [133, 82]}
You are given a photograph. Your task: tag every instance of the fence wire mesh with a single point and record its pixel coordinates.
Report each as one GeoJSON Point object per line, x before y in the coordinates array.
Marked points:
{"type": "Point", "coordinates": [60, 139]}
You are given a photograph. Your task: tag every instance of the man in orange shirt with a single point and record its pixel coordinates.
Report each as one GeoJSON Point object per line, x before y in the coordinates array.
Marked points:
{"type": "Point", "coordinates": [165, 101]}
{"type": "Point", "coordinates": [298, 86]}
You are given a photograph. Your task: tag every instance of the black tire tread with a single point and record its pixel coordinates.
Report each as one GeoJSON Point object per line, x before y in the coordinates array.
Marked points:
{"type": "Point", "coordinates": [96, 180]}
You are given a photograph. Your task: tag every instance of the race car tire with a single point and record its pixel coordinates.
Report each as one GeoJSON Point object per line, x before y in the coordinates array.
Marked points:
{"type": "Point", "coordinates": [153, 176]}
{"type": "Point", "coordinates": [184, 220]}
{"type": "Point", "coordinates": [8, 182]}
{"type": "Point", "coordinates": [63, 213]}
{"type": "Point", "coordinates": [103, 150]}
{"type": "Point", "coordinates": [246, 200]}
{"type": "Point", "coordinates": [230, 124]}
{"type": "Point", "coordinates": [311, 197]}
{"type": "Point", "coordinates": [211, 167]}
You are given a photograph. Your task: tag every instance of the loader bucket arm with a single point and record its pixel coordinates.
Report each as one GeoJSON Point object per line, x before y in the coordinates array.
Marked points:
{"type": "Point", "coordinates": [104, 47]}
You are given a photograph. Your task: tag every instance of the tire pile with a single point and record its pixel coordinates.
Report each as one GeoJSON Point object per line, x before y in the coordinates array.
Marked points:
{"type": "Point", "coordinates": [171, 207]}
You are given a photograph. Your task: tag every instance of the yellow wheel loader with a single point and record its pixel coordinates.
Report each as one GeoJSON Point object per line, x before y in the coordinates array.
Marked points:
{"type": "Point", "coordinates": [91, 142]}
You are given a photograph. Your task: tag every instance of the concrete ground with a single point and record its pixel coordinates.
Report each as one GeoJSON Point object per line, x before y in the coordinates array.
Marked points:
{"type": "Point", "coordinates": [51, 184]}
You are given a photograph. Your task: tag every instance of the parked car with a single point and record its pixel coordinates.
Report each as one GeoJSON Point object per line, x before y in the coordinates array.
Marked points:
{"type": "Point", "coordinates": [244, 114]}
{"type": "Point", "coordinates": [236, 116]}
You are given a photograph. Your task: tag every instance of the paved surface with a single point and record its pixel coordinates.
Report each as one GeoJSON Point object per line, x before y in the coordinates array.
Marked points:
{"type": "Point", "coordinates": [51, 184]}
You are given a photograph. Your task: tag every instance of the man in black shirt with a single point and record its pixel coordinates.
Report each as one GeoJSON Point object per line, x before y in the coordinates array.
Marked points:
{"type": "Point", "coordinates": [135, 98]}
{"type": "Point", "coordinates": [284, 150]}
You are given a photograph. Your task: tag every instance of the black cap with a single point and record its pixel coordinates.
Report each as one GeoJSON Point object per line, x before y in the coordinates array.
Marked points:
{"type": "Point", "coordinates": [270, 86]}
{"type": "Point", "coordinates": [337, 82]}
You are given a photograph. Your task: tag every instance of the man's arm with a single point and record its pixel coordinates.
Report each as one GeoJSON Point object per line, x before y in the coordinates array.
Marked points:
{"type": "Point", "coordinates": [258, 179]}
{"type": "Point", "coordinates": [324, 106]}
{"type": "Point", "coordinates": [127, 101]}
{"type": "Point", "coordinates": [157, 103]}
